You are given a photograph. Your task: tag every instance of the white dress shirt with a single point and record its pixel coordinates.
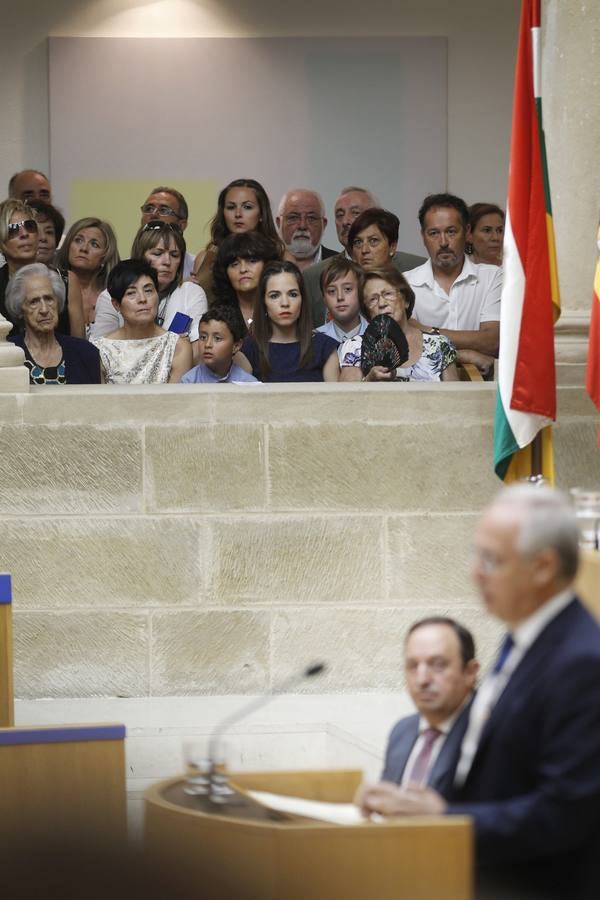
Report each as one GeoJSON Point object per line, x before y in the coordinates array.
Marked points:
{"type": "Point", "coordinates": [445, 727]}
{"type": "Point", "coordinates": [473, 298]}
{"type": "Point", "coordinates": [493, 684]}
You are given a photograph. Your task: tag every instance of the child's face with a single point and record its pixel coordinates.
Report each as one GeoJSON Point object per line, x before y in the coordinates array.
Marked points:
{"type": "Point", "coordinates": [341, 298]}
{"type": "Point", "coordinates": [217, 346]}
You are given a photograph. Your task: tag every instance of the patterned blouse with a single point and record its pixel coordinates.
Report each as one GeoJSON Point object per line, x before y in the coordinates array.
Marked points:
{"type": "Point", "coordinates": [438, 354]}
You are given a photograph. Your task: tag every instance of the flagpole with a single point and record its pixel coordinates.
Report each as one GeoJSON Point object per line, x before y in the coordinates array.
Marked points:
{"type": "Point", "coordinates": [537, 455]}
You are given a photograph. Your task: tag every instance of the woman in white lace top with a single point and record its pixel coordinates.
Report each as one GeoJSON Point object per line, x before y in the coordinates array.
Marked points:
{"type": "Point", "coordinates": [140, 351]}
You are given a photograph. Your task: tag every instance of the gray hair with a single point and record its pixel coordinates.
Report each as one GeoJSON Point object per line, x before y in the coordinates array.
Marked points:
{"type": "Point", "coordinates": [352, 188]}
{"type": "Point", "coordinates": [17, 287]}
{"type": "Point", "coordinates": [301, 191]}
{"type": "Point", "coordinates": [547, 520]}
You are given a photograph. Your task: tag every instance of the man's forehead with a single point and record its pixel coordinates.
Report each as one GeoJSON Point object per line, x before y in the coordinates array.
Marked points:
{"type": "Point", "coordinates": [302, 198]}
{"type": "Point", "coordinates": [430, 639]}
{"type": "Point", "coordinates": [442, 213]}
{"type": "Point", "coordinates": [353, 198]}
{"type": "Point", "coordinates": [162, 196]}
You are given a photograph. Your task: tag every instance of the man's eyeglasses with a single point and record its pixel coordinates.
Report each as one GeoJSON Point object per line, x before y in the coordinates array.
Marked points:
{"type": "Point", "coordinates": [28, 225]}
{"type": "Point", "coordinates": [155, 226]}
{"type": "Point", "coordinates": [296, 218]}
{"type": "Point", "coordinates": [152, 209]}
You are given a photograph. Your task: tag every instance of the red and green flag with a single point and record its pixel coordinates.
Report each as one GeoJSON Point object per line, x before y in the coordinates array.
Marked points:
{"type": "Point", "coordinates": [592, 381]}
{"type": "Point", "coordinates": [526, 397]}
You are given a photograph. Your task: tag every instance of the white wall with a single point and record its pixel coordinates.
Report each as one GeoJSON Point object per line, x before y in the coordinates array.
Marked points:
{"type": "Point", "coordinates": [481, 44]}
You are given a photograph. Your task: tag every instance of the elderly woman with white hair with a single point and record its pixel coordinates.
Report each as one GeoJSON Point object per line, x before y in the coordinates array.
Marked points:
{"type": "Point", "coordinates": [35, 297]}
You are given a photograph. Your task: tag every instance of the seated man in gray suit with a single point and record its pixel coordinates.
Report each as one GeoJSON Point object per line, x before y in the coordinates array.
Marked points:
{"type": "Point", "coordinates": [441, 669]}
{"type": "Point", "coordinates": [348, 206]}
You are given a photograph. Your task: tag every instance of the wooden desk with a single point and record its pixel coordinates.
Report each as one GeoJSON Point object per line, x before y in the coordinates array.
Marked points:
{"type": "Point", "coordinates": [230, 856]}
{"type": "Point", "coordinates": [68, 778]}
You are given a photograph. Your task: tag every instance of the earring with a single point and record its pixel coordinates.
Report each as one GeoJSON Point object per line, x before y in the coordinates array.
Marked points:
{"type": "Point", "coordinates": [469, 248]}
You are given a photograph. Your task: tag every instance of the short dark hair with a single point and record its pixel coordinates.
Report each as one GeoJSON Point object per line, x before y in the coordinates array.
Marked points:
{"type": "Point", "coordinates": [393, 277]}
{"type": "Point", "coordinates": [336, 268]}
{"type": "Point", "coordinates": [183, 207]}
{"type": "Point", "coordinates": [47, 211]}
{"type": "Point", "coordinates": [465, 638]}
{"type": "Point", "coordinates": [444, 200]}
{"type": "Point", "coordinates": [387, 222]}
{"type": "Point", "coordinates": [127, 273]}
{"type": "Point", "coordinates": [230, 316]}
{"type": "Point", "coordinates": [248, 245]}
{"type": "Point", "coordinates": [478, 210]}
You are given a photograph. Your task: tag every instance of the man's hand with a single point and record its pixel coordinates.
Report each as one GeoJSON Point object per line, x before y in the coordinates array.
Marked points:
{"type": "Point", "coordinates": [484, 363]}
{"type": "Point", "coordinates": [389, 799]}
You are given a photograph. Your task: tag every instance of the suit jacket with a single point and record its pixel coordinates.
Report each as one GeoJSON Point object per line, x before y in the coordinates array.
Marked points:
{"type": "Point", "coordinates": [326, 253]}
{"type": "Point", "coordinates": [534, 785]}
{"type": "Point", "coordinates": [402, 740]}
{"type": "Point", "coordinates": [312, 277]}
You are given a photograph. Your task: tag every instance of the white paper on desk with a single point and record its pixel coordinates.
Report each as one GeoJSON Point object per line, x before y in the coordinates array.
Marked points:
{"type": "Point", "coordinates": [337, 813]}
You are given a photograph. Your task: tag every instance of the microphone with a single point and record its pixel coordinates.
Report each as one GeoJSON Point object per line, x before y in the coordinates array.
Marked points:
{"type": "Point", "coordinates": [283, 687]}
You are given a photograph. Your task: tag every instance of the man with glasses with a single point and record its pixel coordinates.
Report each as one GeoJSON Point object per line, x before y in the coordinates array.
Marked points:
{"type": "Point", "coordinates": [30, 185]}
{"type": "Point", "coordinates": [528, 771]}
{"type": "Point", "coordinates": [165, 204]}
{"type": "Point", "coordinates": [301, 222]}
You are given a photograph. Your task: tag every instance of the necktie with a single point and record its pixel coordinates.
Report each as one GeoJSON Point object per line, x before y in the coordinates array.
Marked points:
{"type": "Point", "coordinates": [505, 648]}
{"type": "Point", "coordinates": [420, 768]}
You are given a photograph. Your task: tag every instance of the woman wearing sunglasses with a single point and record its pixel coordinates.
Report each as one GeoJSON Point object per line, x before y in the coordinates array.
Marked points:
{"type": "Point", "coordinates": [19, 242]}
{"type": "Point", "coordinates": [162, 245]}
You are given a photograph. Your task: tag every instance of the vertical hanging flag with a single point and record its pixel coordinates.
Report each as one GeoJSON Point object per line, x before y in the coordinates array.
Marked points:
{"type": "Point", "coordinates": [592, 381]}
{"type": "Point", "coordinates": [526, 397]}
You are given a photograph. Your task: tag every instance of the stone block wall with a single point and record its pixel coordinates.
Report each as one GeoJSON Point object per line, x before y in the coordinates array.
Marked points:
{"type": "Point", "coordinates": [192, 541]}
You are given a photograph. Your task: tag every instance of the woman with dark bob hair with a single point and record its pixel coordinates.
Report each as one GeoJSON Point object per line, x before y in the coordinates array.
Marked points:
{"type": "Point", "coordinates": [243, 206]}
{"type": "Point", "coordinates": [373, 238]}
{"type": "Point", "coordinates": [431, 356]}
{"type": "Point", "coordinates": [283, 345]}
{"type": "Point", "coordinates": [140, 351]}
{"type": "Point", "coordinates": [485, 233]}
{"type": "Point", "coordinates": [162, 246]}
{"type": "Point", "coordinates": [238, 267]}
{"type": "Point", "coordinates": [35, 297]}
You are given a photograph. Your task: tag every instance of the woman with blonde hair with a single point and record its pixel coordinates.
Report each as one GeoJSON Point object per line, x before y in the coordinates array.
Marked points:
{"type": "Point", "coordinates": [89, 252]}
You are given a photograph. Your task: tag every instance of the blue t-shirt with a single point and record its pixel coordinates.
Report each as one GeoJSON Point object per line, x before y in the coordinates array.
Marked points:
{"type": "Point", "coordinates": [284, 358]}
{"type": "Point", "coordinates": [203, 375]}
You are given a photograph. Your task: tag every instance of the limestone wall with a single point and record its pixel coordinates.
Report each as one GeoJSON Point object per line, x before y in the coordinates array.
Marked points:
{"type": "Point", "coordinates": [187, 541]}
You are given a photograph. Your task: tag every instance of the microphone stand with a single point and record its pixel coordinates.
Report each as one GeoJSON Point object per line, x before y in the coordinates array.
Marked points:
{"type": "Point", "coordinates": [220, 791]}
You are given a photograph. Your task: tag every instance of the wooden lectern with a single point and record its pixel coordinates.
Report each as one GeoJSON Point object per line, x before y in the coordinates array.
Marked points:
{"type": "Point", "coordinates": [247, 852]}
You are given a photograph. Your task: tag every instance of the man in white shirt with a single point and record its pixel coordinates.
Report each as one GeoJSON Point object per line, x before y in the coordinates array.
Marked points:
{"type": "Point", "coordinates": [453, 294]}
{"type": "Point", "coordinates": [440, 669]}
{"type": "Point", "coordinates": [301, 222]}
{"type": "Point", "coordinates": [529, 769]}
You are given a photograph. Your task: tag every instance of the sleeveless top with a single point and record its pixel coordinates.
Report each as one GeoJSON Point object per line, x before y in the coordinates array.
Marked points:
{"type": "Point", "coordinates": [144, 361]}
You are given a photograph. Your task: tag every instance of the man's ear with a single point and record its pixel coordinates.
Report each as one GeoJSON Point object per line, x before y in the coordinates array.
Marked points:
{"type": "Point", "coordinates": [237, 346]}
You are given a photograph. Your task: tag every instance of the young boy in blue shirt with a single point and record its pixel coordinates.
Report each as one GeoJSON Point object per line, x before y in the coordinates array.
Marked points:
{"type": "Point", "coordinates": [221, 331]}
